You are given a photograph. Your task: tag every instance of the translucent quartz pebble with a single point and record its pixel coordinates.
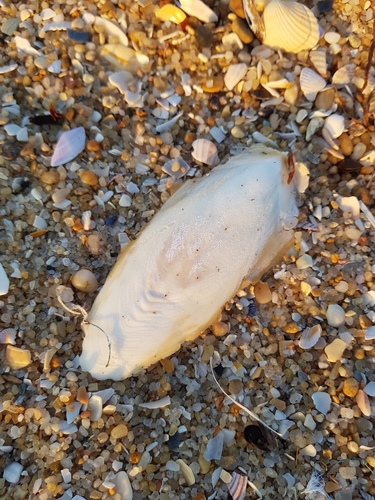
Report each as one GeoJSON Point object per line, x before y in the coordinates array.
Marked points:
{"type": "Point", "coordinates": [335, 350]}
{"type": "Point", "coordinates": [123, 486]}
{"type": "Point", "coordinates": [12, 472]}
{"type": "Point", "coordinates": [322, 402]}
{"type": "Point", "coordinates": [335, 315]}
{"type": "Point", "coordinates": [17, 358]}
{"type": "Point", "coordinates": [304, 261]}
{"type": "Point", "coordinates": [171, 13]}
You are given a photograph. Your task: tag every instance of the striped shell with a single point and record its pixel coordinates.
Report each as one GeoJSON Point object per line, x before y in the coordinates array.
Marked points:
{"type": "Point", "coordinates": [311, 83]}
{"type": "Point", "coordinates": [319, 60]}
{"type": "Point", "coordinates": [290, 26]}
{"type": "Point", "coordinates": [171, 283]}
{"type": "Point", "coordinates": [237, 486]}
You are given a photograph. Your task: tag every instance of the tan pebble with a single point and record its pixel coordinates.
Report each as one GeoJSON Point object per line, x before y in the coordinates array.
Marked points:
{"type": "Point", "coordinates": [335, 350]}
{"type": "Point", "coordinates": [89, 178]}
{"type": "Point", "coordinates": [262, 293]}
{"type": "Point", "coordinates": [352, 447]}
{"type": "Point", "coordinates": [85, 281]}
{"type": "Point", "coordinates": [27, 150]}
{"type": "Point", "coordinates": [364, 321]}
{"type": "Point", "coordinates": [69, 115]}
{"type": "Point", "coordinates": [371, 461]}
{"type": "Point", "coordinates": [350, 387]}
{"type": "Point", "coordinates": [237, 7]}
{"type": "Point", "coordinates": [167, 364]}
{"type": "Point", "coordinates": [291, 94]}
{"type": "Point", "coordinates": [241, 28]}
{"type": "Point", "coordinates": [93, 145]}
{"type": "Point", "coordinates": [93, 242]}
{"type": "Point", "coordinates": [213, 85]}
{"type": "Point", "coordinates": [60, 195]}
{"type": "Point", "coordinates": [278, 404]}
{"type": "Point", "coordinates": [324, 99]}
{"type": "Point", "coordinates": [17, 358]}
{"type": "Point", "coordinates": [219, 329]}
{"type": "Point", "coordinates": [290, 328]}
{"type": "Point", "coordinates": [82, 396]}
{"type": "Point", "coordinates": [119, 432]}
{"type": "Point", "coordinates": [346, 144]}
{"type": "Point", "coordinates": [235, 386]}
{"type": "Point", "coordinates": [330, 487]}
{"type": "Point", "coordinates": [204, 464]}
{"type": "Point", "coordinates": [135, 457]}
{"type": "Point", "coordinates": [190, 137]}
{"type": "Point", "coordinates": [50, 177]}
{"type": "Point", "coordinates": [359, 353]}
{"type": "Point", "coordinates": [363, 403]}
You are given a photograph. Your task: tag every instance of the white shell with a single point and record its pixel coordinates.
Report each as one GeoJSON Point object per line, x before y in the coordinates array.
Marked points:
{"type": "Point", "coordinates": [290, 26]}
{"type": "Point", "coordinates": [111, 29]}
{"type": "Point", "coordinates": [349, 204]}
{"type": "Point", "coordinates": [176, 168]}
{"type": "Point", "coordinates": [122, 57]}
{"type": "Point", "coordinates": [64, 25]}
{"type": "Point", "coordinates": [237, 486]}
{"type": "Point", "coordinates": [363, 403]}
{"type": "Point", "coordinates": [8, 69]}
{"type": "Point", "coordinates": [344, 75]}
{"type": "Point", "coordinates": [311, 83]}
{"type": "Point", "coordinates": [8, 336]}
{"type": "Point", "coordinates": [335, 124]}
{"type": "Point", "coordinates": [23, 45]}
{"type": "Point", "coordinates": [310, 337]}
{"type": "Point", "coordinates": [170, 284]}
{"type": "Point", "coordinates": [121, 80]}
{"type": "Point", "coordinates": [69, 146]}
{"type": "Point", "coordinates": [235, 73]}
{"type": "Point", "coordinates": [205, 151]}
{"type": "Point", "coordinates": [319, 59]}
{"type": "Point", "coordinates": [322, 402]}
{"type": "Point", "coordinates": [200, 10]}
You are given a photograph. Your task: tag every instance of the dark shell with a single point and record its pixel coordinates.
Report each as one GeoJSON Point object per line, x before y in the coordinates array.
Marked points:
{"type": "Point", "coordinates": [261, 437]}
{"type": "Point", "coordinates": [347, 165]}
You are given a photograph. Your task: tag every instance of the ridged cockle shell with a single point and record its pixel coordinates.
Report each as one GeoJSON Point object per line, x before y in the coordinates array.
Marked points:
{"type": "Point", "coordinates": [171, 283]}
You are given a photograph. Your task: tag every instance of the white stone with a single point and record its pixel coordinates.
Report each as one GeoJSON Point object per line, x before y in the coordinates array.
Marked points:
{"type": "Point", "coordinates": [123, 486]}
{"type": "Point", "coordinates": [335, 315]}
{"type": "Point", "coordinates": [304, 261]}
{"type": "Point", "coordinates": [309, 422]}
{"type": "Point", "coordinates": [4, 281]}
{"type": "Point", "coordinates": [322, 402]}
{"type": "Point", "coordinates": [125, 200]}
{"type": "Point", "coordinates": [370, 389]}
{"type": "Point", "coordinates": [369, 333]}
{"type": "Point", "coordinates": [309, 450]}
{"type": "Point", "coordinates": [12, 472]}
{"type": "Point", "coordinates": [332, 37]}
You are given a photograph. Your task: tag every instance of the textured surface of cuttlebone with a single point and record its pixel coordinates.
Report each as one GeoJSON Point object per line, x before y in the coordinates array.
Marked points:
{"type": "Point", "coordinates": [171, 283]}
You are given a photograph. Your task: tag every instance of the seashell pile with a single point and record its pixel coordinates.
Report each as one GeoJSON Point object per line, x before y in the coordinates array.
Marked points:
{"type": "Point", "coordinates": [187, 274]}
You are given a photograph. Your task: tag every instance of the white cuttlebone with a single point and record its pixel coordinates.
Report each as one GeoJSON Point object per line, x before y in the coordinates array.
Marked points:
{"type": "Point", "coordinates": [171, 283]}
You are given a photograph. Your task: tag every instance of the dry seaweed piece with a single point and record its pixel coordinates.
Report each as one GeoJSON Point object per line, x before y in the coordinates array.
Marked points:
{"type": "Point", "coordinates": [53, 118]}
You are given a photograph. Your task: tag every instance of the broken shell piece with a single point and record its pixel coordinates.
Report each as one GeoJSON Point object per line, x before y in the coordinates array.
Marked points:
{"type": "Point", "coordinates": [17, 358]}
{"type": "Point", "coordinates": [82, 396]}
{"type": "Point", "coordinates": [370, 389]}
{"type": "Point", "coordinates": [314, 125]}
{"type": "Point", "coordinates": [310, 337]}
{"type": "Point", "coordinates": [69, 146]}
{"type": "Point", "coordinates": [185, 256]}
{"type": "Point", "coordinates": [122, 57]}
{"type": "Point", "coordinates": [214, 448]}
{"type": "Point", "coordinates": [349, 204]}
{"type": "Point", "coordinates": [72, 411]}
{"type": "Point", "coordinates": [344, 75]}
{"type": "Point", "coordinates": [370, 333]}
{"type": "Point", "coordinates": [111, 30]}
{"type": "Point", "coordinates": [205, 151]}
{"type": "Point", "coordinates": [322, 402]}
{"type": "Point", "coordinates": [121, 80]}
{"type": "Point", "coordinates": [8, 68]}
{"type": "Point", "coordinates": [153, 405]}
{"type": "Point", "coordinates": [363, 403]}
{"type": "Point", "coordinates": [319, 60]}
{"type": "Point", "coordinates": [235, 73]}
{"type": "Point", "coordinates": [200, 10]}
{"type": "Point", "coordinates": [237, 486]}
{"type": "Point", "coordinates": [8, 336]}
{"type": "Point", "coordinates": [171, 13]}
{"type": "Point", "coordinates": [290, 26]}
{"type": "Point", "coordinates": [311, 83]}
{"type": "Point", "coordinates": [176, 168]}
{"type": "Point", "coordinates": [335, 350]}
{"type": "Point", "coordinates": [186, 472]}
{"type": "Point", "coordinates": [95, 406]}
{"type": "Point", "coordinates": [4, 281]}
{"type": "Point", "coordinates": [335, 124]}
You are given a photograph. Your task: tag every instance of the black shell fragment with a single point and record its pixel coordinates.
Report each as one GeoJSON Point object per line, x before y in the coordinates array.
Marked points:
{"type": "Point", "coordinates": [261, 437]}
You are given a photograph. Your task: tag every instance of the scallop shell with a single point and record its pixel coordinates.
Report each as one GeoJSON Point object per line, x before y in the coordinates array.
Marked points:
{"type": "Point", "coordinates": [335, 124]}
{"type": "Point", "coordinates": [8, 336]}
{"type": "Point", "coordinates": [344, 75]}
{"type": "Point", "coordinates": [310, 337]}
{"type": "Point", "coordinates": [235, 73]}
{"type": "Point", "coordinates": [237, 486]}
{"type": "Point", "coordinates": [311, 83]}
{"type": "Point", "coordinates": [170, 283]}
{"type": "Point", "coordinates": [319, 60]}
{"type": "Point", "coordinates": [200, 10]}
{"type": "Point", "coordinates": [69, 146]}
{"type": "Point", "coordinates": [290, 26]}
{"type": "Point", "coordinates": [112, 30]}
{"type": "Point", "coordinates": [205, 151]}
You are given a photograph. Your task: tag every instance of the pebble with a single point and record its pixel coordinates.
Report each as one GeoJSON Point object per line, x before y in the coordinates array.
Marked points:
{"type": "Point", "coordinates": [290, 328]}
{"type": "Point", "coordinates": [119, 432]}
{"type": "Point", "coordinates": [85, 281]}
{"type": "Point", "coordinates": [346, 144]}
{"type": "Point", "coordinates": [324, 99]}
{"type": "Point", "coordinates": [12, 472]}
{"type": "Point", "coordinates": [354, 41]}
{"type": "Point", "coordinates": [335, 315]}
{"type": "Point", "coordinates": [371, 461]}
{"type": "Point", "coordinates": [17, 358]}
{"type": "Point", "coordinates": [350, 387]}
{"type": "Point", "coordinates": [262, 293]}
{"type": "Point", "coordinates": [167, 364]}
{"type": "Point", "coordinates": [358, 151]}
{"type": "Point", "coordinates": [219, 329]}
{"type": "Point", "coordinates": [241, 28]}
{"type": "Point", "coordinates": [325, 5]}
{"type": "Point", "coordinates": [309, 422]}
{"type": "Point", "coordinates": [93, 145]}
{"type": "Point", "coordinates": [304, 261]}
{"type": "Point", "coordinates": [204, 36]}
{"type": "Point", "coordinates": [237, 7]}
{"type": "Point", "coordinates": [9, 151]}
{"type": "Point", "coordinates": [237, 132]}
{"type": "Point", "coordinates": [348, 472]}
{"type": "Point", "coordinates": [335, 350]}
{"type": "Point", "coordinates": [332, 37]}
{"type": "Point", "coordinates": [348, 165]}
{"type": "Point", "coordinates": [213, 85]}
{"type": "Point", "coordinates": [89, 178]}
{"type": "Point", "coordinates": [60, 195]}
{"type": "Point", "coordinates": [51, 177]}
{"type": "Point", "coordinates": [235, 386]}
{"type": "Point", "coordinates": [4, 281]}
{"type": "Point", "coordinates": [123, 486]}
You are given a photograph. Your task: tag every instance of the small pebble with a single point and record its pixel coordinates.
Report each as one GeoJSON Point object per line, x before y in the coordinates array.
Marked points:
{"type": "Point", "coordinates": [237, 7]}
{"type": "Point", "coordinates": [335, 350]}
{"type": "Point", "coordinates": [304, 261]}
{"type": "Point", "coordinates": [51, 177]}
{"type": "Point", "coordinates": [213, 85]}
{"type": "Point", "coordinates": [219, 329]}
{"type": "Point", "coordinates": [167, 364]}
{"type": "Point", "coordinates": [262, 293]}
{"type": "Point", "coordinates": [235, 386]}
{"type": "Point", "coordinates": [350, 387]}
{"type": "Point", "coordinates": [119, 432]}
{"type": "Point", "coordinates": [354, 41]}
{"type": "Point", "coordinates": [346, 144]}
{"type": "Point", "coordinates": [89, 178]}
{"type": "Point", "coordinates": [85, 281]}
{"type": "Point", "coordinates": [93, 145]}
{"type": "Point", "coordinates": [358, 151]}
{"type": "Point", "coordinates": [237, 132]}
{"type": "Point", "coordinates": [17, 358]}
{"type": "Point", "coordinates": [241, 28]}
{"type": "Point", "coordinates": [325, 5]}
{"type": "Point", "coordinates": [12, 472]}
{"type": "Point", "coordinates": [335, 315]}
{"type": "Point", "coordinates": [204, 37]}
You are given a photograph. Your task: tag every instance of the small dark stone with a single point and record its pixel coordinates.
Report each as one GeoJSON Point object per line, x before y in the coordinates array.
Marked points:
{"type": "Point", "coordinates": [252, 308]}
{"type": "Point", "coordinates": [204, 37]}
{"type": "Point", "coordinates": [10, 151]}
{"type": "Point", "coordinates": [347, 165]}
{"type": "Point", "coordinates": [174, 441]}
{"type": "Point", "coordinates": [111, 220]}
{"type": "Point", "coordinates": [325, 5]}
{"type": "Point", "coordinates": [215, 103]}
{"type": "Point", "coordinates": [219, 370]}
